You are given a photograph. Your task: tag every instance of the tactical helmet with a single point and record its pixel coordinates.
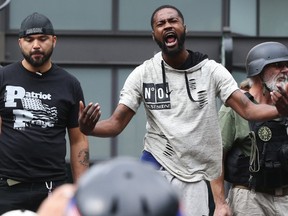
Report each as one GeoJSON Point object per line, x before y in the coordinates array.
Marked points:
{"type": "Point", "coordinates": [125, 186]}
{"type": "Point", "coordinates": [265, 53]}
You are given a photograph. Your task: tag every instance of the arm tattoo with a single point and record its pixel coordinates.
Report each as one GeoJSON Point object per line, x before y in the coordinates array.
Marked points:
{"type": "Point", "coordinates": [84, 157]}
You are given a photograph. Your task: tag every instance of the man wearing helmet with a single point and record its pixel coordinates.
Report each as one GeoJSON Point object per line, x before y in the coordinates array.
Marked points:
{"type": "Point", "coordinates": [255, 153]}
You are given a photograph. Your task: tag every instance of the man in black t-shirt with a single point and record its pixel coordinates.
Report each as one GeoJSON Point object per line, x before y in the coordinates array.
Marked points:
{"type": "Point", "coordinates": [39, 101]}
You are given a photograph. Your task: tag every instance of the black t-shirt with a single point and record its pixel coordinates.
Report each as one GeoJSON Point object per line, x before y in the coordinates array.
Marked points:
{"type": "Point", "coordinates": [36, 111]}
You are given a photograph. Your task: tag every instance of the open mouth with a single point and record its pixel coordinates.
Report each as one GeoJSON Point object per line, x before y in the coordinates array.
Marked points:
{"type": "Point", "coordinates": [170, 39]}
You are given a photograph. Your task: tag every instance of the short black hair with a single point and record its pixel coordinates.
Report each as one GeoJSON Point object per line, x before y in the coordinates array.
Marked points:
{"type": "Point", "coordinates": [162, 7]}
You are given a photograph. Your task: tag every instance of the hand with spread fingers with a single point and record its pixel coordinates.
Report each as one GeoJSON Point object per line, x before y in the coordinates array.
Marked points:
{"type": "Point", "coordinates": [88, 117]}
{"type": "Point", "coordinates": [280, 99]}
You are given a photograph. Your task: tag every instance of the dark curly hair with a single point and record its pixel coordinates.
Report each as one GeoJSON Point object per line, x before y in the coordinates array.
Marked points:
{"type": "Point", "coordinates": [165, 6]}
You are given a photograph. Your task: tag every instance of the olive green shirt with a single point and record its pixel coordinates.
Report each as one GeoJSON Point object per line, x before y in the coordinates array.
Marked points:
{"type": "Point", "coordinates": [234, 130]}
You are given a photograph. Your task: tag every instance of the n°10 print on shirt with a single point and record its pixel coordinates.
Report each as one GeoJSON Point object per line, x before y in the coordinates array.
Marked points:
{"type": "Point", "coordinates": [156, 96]}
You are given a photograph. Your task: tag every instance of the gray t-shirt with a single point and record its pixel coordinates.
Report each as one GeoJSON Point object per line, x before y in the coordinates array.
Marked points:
{"type": "Point", "coordinates": [183, 136]}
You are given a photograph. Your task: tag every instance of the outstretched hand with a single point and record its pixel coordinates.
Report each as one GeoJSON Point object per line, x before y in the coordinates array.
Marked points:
{"type": "Point", "coordinates": [88, 117]}
{"type": "Point", "coordinates": [280, 99]}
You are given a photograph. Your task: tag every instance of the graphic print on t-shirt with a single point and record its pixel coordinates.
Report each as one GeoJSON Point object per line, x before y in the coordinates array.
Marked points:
{"type": "Point", "coordinates": [32, 112]}
{"type": "Point", "coordinates": [156, 97]}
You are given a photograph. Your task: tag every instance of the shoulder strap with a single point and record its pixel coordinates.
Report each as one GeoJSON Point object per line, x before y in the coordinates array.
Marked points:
{"type": "Point", "coordinates": [249, 96]}
{"type": "Point", "coordinates": [251, 123]}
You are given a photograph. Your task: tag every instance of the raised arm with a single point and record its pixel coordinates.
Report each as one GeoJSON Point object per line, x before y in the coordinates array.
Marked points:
{"type": "Point", "coordinates": [250, 111]}
{"type": "Point", "coordinates": [89, 116]}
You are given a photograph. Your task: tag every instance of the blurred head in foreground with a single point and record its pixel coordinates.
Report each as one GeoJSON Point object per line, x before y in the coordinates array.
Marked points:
{"type": "Point", "coordinates": [123, 187]}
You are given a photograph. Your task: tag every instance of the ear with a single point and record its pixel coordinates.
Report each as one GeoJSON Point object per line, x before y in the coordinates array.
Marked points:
{"type": "Point", "coordinates": [185, 28]}
{"type": "Point", "coordinates": [19, 42]}
{"type": "Point", "coordinates": [153, 36]}
{"type": "Point", "coordinates": [54, 40]}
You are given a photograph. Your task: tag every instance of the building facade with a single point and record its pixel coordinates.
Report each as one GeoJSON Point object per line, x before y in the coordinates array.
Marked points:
{"type": "Point", "coordinates": [101, 41]}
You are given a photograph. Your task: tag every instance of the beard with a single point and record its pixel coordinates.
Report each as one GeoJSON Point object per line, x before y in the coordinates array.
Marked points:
{"type": "Point", "coordinates": [272, 85]}
{"type": "Point", "coordinates": [172, 52]}
{"type": "Point", "coordinates": [37, 62]}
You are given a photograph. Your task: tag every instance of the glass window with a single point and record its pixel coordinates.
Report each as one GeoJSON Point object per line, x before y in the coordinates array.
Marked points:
{"type": "Point", "coordinates": [130, 141]}
{"type": "Point", "coordinates": [65, 14]}
{"type": "Point", "coordinates": [243, 17]}
{"type": "Point", "coordinates": [200, 15]}
{"type": "Point", "coordinates": [273, 18]}
{"type": "Point", "coordinates": [96, 85]}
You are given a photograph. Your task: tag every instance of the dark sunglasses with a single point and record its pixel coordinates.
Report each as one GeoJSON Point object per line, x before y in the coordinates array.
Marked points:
{"type": "Point", "coordinates": [279, 65]}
